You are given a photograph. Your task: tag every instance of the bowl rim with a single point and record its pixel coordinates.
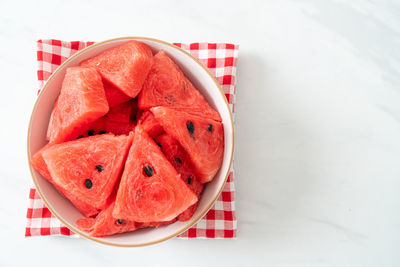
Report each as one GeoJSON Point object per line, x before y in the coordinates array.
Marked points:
{"type": "Point", "coordinates": [99, 240]}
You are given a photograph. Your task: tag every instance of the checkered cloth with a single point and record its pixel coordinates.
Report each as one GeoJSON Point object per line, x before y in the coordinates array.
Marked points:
{"type": "Point", "coordinates": [221, 60]}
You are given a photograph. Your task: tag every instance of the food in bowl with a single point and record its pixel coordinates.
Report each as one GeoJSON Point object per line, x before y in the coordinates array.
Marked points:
{"type": "Point", "coordinates": [132, 142]}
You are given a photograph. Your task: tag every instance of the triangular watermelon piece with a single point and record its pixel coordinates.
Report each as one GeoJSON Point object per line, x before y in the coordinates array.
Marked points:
{"type": "Point", "coordinates": [202, 139]}
{"type": "Point", "coordinates": [125, 66]}
{"type": "Point", "coordinates": [81, 102]}
{"type": "Point", "coordinates": [39, 164]}
{"type": "Point", "coordinates": [178, 157]}
{"type": "Point", "coordinates": [150, 125]}
{"type": "Point", "coordinates": [114, 95]}
{"type": "Point", "coordinates": [166, 85]}
{"type": "Point", "coordinates": [105, 224]}
{"type": "Point", "coordinates": [88, 168]}
{"type": "Point", "coordinates": [150, 188]}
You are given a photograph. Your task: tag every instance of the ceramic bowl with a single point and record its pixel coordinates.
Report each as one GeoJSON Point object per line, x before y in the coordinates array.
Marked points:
{"type": "Point", "coordinates": [203, 81]}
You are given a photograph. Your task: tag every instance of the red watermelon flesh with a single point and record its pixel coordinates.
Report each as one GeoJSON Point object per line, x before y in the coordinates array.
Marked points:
{"type": "Point", "coordinates": [51, 120]}
{"type": "Point", "coordinates": [39, 164]}
{"type": "Point", "coordinates": [114, 95]}
{"type": "Point", "coordinates": [182, 163]}
{"type": "Point", "coordinates": [116, 121]}
{"type": "Point", "coordinates": [150, 190]}
{"type": "Point", "coordinates": [81, 102]}
{"type": "Point", "coordinates": [97, 127]}
{"type": "Point", "coordinates": [166, 85]}
{"type": "Point", "coordinates": [125, 66]}
{"type": "Point", "coordinates": [88, 168]}
{"type": "Point", "coordinates": [118, 128]}
{"type": "Point", "coordinates": [202, 139]}
{"type": "Point", "coordinates": [150, 124]}
{"type": "Point", "coordinates": [120, 113]}
{"type": "Point", "coordinates": [105, 224]}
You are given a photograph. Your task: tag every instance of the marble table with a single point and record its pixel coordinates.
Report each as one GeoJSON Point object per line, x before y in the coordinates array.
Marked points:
{"type": "Point", "coordinates": [317, 128]}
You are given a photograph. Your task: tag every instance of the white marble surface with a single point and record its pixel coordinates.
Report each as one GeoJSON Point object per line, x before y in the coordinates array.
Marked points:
{"type": "Point", "coordinates": [317, 132]}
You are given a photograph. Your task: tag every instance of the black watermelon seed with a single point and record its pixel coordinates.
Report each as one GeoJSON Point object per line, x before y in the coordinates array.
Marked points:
{"type": "Point", "coordinates": [190, 127]}
{"type": "Point", "coordinates": [209, 128]}
{"type": "Point", "coordinates": [178, 160]}
{"type": "Point", "coordinates": [148, 170]}
{"type": "Point", "coordinates": [101, 132]}
{"type": "Point", "coordinates": [90, 132]}
{"type": "Point", "coordinates": [99, 168]}
{"type": "Point", "coordinates": [189, 180]}
{"type": "Point", "coordinates": [119, 221]}
{"type": "Point", "coordinates": [81, 136]}
{"type": "Point", "coordinates": [158, 143]}
{"type": "Point", "coordinates": [88, 183]}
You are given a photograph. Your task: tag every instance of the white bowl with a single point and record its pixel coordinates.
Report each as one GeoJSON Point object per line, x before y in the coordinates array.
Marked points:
{"type": "Point", "coordinates": [63, 209]}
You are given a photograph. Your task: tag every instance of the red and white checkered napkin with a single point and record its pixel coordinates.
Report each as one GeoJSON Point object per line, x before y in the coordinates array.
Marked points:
{"type": "Point", "coordinates": [221, 60]}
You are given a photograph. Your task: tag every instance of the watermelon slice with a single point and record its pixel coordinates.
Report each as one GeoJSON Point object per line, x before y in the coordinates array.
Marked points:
{"type": "Point", "coordinates": [39, 164]}
{"type": "Point", "coordinates": [116, 121]}
{"type": "Point", "coordinates": [52, 119]}
{"type": "Point", "coordinates": [182, 163]}
{"type": "Point", "coordinates": [97, 127]}
{"type": "Point", "coordinates": [150, 189]}
{"type": "Point", "coordinates": [88, 168]}
{"type": "Point", "coordinates": [81, 102]}
{"type": "Point", "coordinates": [114, 95]}
{"type": "Point", "coordinates": [102, 126]}
{"type": "Point", "coordinates": [150, 124]}
{"type": "Point", "coordinates": [105, 224]}
{"type": "Point", "coordinates": [119, 128]}
{"type": "Point", "coordinates": [167, 86]}
{"type": "Point", "coordinates": [120, 113]}
{"type": "Point", "coordinates": [125, 66]}
{"type": "Point", "coordinates": [203, 139]}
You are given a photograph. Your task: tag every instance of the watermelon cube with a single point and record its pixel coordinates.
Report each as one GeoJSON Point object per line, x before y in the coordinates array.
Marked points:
{"type": "Point", "coordinates": [150, 124]}
{"type": "Point", "coordinates": [120, 113]}
{"type": "Point", "coordinates": [114, 95]}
